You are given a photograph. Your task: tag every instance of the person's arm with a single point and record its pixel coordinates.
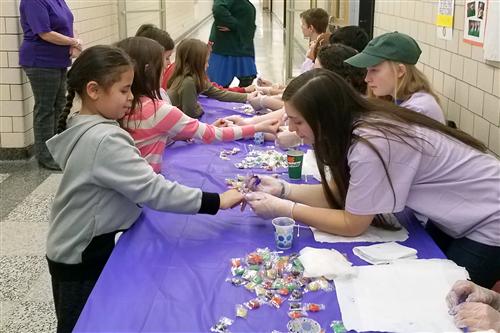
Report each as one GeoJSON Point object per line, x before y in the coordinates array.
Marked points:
{"type": "Point", "coordinates": [188, 98]}
{"type": "Point", "coordinates": [224, 95]}
{"type": "Point", "coordinates": [59, 39]}
{"type": "Point", "coordinates": [178, 126]}
{"type": "Point", "coordinates": [119, 166]}
{"type": "Point", "coordinates": [222, 14]}
{"type": "Point", "coordinates": [268, 102]}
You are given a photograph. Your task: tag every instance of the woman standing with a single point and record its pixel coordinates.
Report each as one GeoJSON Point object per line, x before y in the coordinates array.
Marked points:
{"type": "Point", "coordinates": [45, 53]}
{"type": "Point", "coordinates": [233, 52]}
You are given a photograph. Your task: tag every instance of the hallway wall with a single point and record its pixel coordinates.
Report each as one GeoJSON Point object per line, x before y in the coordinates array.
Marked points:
{"type": "Point", "coordinates": [469, 87]}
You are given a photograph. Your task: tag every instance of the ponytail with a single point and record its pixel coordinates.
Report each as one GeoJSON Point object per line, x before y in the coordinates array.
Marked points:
{"type": "Point", "coordinates": [61, 124]}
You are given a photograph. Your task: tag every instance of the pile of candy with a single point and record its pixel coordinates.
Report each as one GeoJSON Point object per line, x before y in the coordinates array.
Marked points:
{"type": "Point", "coordinates": [268, 159]}
{"type": "Point", "coordinates": [224, 155]}
{"type": "Point", "coordinates": [272, 279]}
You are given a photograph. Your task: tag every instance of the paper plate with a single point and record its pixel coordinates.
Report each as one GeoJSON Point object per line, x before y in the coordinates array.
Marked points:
{"type": "Point", "coordinates": [303, 325]}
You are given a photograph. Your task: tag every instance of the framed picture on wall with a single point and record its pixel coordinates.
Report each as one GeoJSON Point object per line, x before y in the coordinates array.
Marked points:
{"type": "Point", "coordinates": [475, 21]}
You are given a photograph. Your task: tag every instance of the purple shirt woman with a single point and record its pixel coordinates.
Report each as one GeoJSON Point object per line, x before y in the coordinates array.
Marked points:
{"type": "Point", "coordinates": [45, 53]}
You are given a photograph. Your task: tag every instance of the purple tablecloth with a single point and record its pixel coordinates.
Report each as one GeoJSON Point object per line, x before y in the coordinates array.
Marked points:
{"type": "Point", "coordinates": [167, 272]}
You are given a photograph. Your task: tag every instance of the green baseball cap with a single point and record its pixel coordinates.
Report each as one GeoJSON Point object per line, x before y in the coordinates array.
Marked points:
{"type": "Point", "coordinates": [392, 46]}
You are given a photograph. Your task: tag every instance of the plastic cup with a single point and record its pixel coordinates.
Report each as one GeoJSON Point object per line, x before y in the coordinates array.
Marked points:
{"type": "Point", "coordinates": [295, 159]}
{"type": "Point", "coordinates": [283, 232]}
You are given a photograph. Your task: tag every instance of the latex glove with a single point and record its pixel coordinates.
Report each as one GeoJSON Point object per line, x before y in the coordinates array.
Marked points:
{"type": "Point", "coordinates": [467, 291]}
{"type": "Point", "coordinates": [268, 126]}
{"type": "Point", "coordinates": [286, 139]}
{"type": "Point", "coordinates": [257, 102]}
{"type": "Point", "coordinates": [477, 317]}
{"type": "Point", "coordinates": [230, 199]}
{"type": "Point", "coordinates": [238, 120]}
{"type": "Point", "coordinates": [267, 206]}
{"type": "Point", "coordinates": [274, 186]}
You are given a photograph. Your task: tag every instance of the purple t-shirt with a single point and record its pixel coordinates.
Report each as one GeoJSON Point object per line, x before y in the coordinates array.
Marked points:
{"type": "Point", "coordinates": [453, 184]}
{"type": "Point", "coordinates": [39, 16]}
{"type": "Point", "coordinates": [426, 104]}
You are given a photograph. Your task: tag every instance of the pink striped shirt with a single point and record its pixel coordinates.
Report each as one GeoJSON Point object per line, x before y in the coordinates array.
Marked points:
{"type": "Point", "coordinates": [159, 123]}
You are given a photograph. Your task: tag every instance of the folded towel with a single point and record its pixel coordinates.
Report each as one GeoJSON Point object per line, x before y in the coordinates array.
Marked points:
{"type": "Point", "coordinates": [384, 253]}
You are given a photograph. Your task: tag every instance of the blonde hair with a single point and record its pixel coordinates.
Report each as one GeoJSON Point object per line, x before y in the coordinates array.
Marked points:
{"type": "Point", "coordinates": [412, 82]}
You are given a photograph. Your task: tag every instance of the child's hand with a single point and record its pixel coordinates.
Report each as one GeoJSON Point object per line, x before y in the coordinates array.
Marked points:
{"type": "Point", "coordinates": [268, 126]}
{"type": "Point", "coordinates": [250, 89]}
{"type": "Point", "coordinates": [286, 139]}
{"type": "Point", "coordinates": [230, 198]}
{"type": "Point", "coordinates": [238, 120]}
{"type": "Point", "coordinates": [222, 122]}
{"type": "Point", "coordinates": [252, 95]}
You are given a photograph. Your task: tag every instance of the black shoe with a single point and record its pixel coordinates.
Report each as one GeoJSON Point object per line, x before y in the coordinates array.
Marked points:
{"type": "Point", "coordinates": [50, 165]}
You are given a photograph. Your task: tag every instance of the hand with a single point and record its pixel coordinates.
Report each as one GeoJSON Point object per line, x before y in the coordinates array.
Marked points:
{"type": "Point", "coordinates": [274, 186]}
{"type": "Point", "coordinates": [467, 291]}
{"type": "Point", "coordinates": [252, 95]}
{"type": "Point", "coordinates": [477, 317]}
{"type": "Point", "coordinates": [268, 126]}
{"type": "Point", "coordinates": [263, 82]}
{"type": "Point", "coordinates": [257, 102]}
{"type": "Point", "coordinates": [223, 29]}
{"type": "Point", "coordinates": [250, 88]}
{"type": "Point", "coordinates": [267, 206]}
{"type": "Point", "coordinates": [286, 139]}
{"type": "Point", "coordinates": [310, 51]}
{"type": "Point", "coordinates": [74, 52]}
{"type": "Point", "coordinates": [238, 120]}
{"type": "Point", "coordinates": [222, 122]}
{"type": "Point", "coordinates": [230, 199]}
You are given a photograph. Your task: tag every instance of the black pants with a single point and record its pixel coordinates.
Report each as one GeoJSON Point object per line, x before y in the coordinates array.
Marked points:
{"type": "Point", "coordinates": [49, 90]}
{"type": "Point", "coordinates": [481, 261]}
{"type": "Point", "coordinates": [245, 81]}
{"type": "Point", "coordinates": [69, 299]}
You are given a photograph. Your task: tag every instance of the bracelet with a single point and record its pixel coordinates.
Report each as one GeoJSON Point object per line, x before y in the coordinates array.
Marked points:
{"type": "Point", "coordinates": [291, 212]}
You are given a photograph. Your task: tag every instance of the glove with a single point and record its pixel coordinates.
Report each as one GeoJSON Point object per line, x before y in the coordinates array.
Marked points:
{"type": "Point", "coordinates": [286, 139]}
{"type": "Point", "coordinates": [477, 317]}
{"type": "Point", "coordinates": [268, 206]}
{"type": "Point", "coordinates": [274, 186]}
{"type": "Point", "coordinates": [467, 291]}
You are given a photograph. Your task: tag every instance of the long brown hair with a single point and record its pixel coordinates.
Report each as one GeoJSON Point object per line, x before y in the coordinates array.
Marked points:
{"type": "Point", "coordinates": [190, 60]}
{"type": "Point", "coordinates": [334, 110]}
{"type": "Point", "coordinates": [148, 57]}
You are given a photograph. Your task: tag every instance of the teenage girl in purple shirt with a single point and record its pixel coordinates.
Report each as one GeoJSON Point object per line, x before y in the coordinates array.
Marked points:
{"type": "Point", "coordinates": [48, 43]}
{"type": "Point", "coordinates": [384, 158]}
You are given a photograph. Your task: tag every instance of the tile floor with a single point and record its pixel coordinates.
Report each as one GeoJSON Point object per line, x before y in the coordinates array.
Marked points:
{"type": "Point", "coordinates": [27, 192]}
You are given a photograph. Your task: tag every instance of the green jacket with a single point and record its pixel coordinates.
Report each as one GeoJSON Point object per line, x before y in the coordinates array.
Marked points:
{"type": "Point", "coordinates": [239, 17]}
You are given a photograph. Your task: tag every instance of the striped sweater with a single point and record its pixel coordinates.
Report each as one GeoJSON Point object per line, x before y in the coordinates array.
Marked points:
{"type": "Point", "coordinates": [157, 123]}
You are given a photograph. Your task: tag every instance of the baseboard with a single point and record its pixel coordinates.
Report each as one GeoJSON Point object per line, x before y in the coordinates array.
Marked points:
{"type": "Point", "coordinates": [9, 154]}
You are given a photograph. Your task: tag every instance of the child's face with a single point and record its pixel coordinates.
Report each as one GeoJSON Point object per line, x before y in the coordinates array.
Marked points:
{"type": "Point", "coordinates": [381, 79]}
{"type": "Point", "coordinates": [307, 30]}
{"type": "Point", "coordinates": [166, 58]}
{"type": "Point", "coordinates": [116, 101]}
{"type": "Point", "coordinates": [298, 124]}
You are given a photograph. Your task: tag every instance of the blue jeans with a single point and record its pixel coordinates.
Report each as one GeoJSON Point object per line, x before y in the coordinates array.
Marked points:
{"type": "Point", "coordinates": [481, 261]}
{"type": "Point", "coordinates": [49, 90]}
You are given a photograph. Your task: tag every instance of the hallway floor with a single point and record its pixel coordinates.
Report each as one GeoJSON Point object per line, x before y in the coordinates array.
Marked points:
{"type": "Point", "coordinates": [27, 192]}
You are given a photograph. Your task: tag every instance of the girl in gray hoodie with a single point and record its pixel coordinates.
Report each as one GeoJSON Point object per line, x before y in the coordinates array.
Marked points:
{"type": "Point", "coordinates": [105, 182]}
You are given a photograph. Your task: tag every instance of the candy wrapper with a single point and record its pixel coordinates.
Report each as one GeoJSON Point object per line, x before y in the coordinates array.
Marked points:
{"type": "Point", "coordinates": [222, 326]}
{"type": "Point", "coordinates": [268, 159]}
{"type": "Point", "coordinates": [224, 154]}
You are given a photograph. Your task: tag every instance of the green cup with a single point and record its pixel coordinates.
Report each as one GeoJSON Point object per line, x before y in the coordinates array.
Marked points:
{"type": "Point", "coordinates": [295, 159]}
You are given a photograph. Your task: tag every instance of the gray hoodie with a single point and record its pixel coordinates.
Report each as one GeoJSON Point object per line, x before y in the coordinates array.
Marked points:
{"type": "Point", "coordinates": [104, 184]}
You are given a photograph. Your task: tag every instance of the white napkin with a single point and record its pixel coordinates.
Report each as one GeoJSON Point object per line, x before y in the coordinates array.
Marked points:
{"type": "Point", "coordinates": [384, 253]}
{"type": "Point", "coordinates": [329, 263]}
{"type": "Point", "coordinates": [406, 296]}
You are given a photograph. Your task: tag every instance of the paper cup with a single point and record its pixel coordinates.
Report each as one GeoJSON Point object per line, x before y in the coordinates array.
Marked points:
{"type": "Point", "coordinates": [283, 232]}
{"type": "Point", "coordinates": [295, 159]}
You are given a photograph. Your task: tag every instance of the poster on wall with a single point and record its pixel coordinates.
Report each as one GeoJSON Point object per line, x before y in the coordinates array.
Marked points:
{"type": "Point", "coordinates": [475, 21]}
{"type": "Point", "coordinates": [444, 20]}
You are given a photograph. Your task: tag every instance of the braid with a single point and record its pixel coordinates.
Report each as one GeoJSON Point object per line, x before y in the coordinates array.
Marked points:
{"type": "Point", "coordinates": [61, 125]}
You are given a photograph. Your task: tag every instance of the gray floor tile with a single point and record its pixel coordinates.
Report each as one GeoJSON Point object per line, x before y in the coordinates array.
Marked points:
{"type": "Point", "coordinates": [4, 176]}
{"type": "Point", "coordinates": [18, 274]}
{"type": "Point", "coordinates": [26, 316]}
{"type": "Point", "coordinates": [23, 239]}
